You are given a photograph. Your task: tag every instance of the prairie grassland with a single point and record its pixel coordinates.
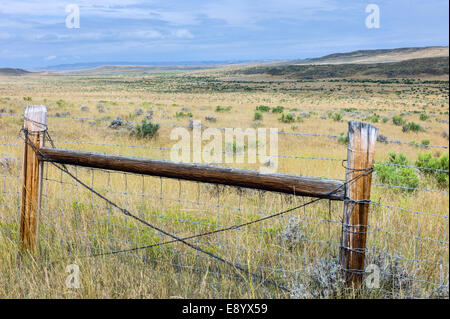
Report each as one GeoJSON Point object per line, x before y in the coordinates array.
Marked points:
{"type": "Point", "coordinates": [74, 223]}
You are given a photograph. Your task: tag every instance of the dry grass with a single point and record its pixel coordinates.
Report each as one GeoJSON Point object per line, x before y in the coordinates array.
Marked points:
{"type": "Point", "coordinates": [74, 223]}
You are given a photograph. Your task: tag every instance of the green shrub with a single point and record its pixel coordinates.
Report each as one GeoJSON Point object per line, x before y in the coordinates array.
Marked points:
{"type": "Point", "coordinates": [427, 160]}
{"type": "Point", "coordinates": [411, 126]}
{"type": "Point", "coordinates": [27, 98]}
{"type": "Point", "coordinates": [263, 108]}
{"type": "Point", "coordinates": [223, 108]}
{"type": "Point", "coordinates": [398, 120]}
{"type": "Point", "coordinates": [343, 139]}
{"type": "Point", "coordinates": [147, 130]}
{"type": "Point", "coordinates": [278, 109]}
{"type": "Point", "coordinates": [258, 116]}
{"type": "Point", "coordinates": [425, 142]}
{"type": "Point", "coordinates": [60, 102]}
{"type": "Point", "coordinates": [234, 147]}
{"type": "Point", "coordinates": [373, 118]}
{"type": "Point", "coordinates": [397, 175]}
{"type": "Point", "coordinates": [182, 114]}
{"type": "Point", "coordinates": [424, 117]}
{"type": "Point", "coordinates": [337, 117]}
{"type": "Point", "coordinates": [385, 119]}
{"type": "Point", "coordinates": [287, 118]}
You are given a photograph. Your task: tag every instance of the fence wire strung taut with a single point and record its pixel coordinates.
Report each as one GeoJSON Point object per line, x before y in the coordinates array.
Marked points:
{"type": "Point", "coordinates": [321, 224]}
{"type": "Point", "coordinates": [242, 154]}
{"type": "Point", "coordinates": [221, 128]}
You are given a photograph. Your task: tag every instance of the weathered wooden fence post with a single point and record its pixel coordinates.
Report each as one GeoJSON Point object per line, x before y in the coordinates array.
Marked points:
{"type": "Point", "coordinates": [35, 125]}
{"type": "Point", "coordinates": [362, 138]}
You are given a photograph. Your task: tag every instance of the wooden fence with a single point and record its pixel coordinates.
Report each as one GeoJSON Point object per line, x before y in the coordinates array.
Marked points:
{"type": "Point", "coordinates": [354, 191]}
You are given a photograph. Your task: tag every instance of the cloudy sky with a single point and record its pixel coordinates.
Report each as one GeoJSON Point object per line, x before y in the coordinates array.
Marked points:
{"type": "Point", "coordinates": [34, 34]}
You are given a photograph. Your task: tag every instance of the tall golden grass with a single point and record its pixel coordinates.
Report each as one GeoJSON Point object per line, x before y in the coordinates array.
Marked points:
{"type": "Point", "coordinates": [74, 223]}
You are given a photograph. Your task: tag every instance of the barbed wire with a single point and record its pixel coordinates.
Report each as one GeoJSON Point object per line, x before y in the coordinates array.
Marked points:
{"type": "Point", "coordinates": [412, 166]}
{"type": "Point", "coordinates": [224, 152]}
{"type": "Point", "coordinates": [243, 154]}
{"type": "Point", "coordinates": [409, 210]}
{"type": "Point", "coordinates": [64, 169]}
{"type": "Point", "coordinates": [416, 259]}
{"type": "Point", "coordinates": [221, 128]}
{"type": "Point", "coordinates": [412, 188]}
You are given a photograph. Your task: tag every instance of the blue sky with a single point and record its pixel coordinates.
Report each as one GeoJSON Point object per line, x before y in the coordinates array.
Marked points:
{"type": "Point", "coordinates": [33, 34]}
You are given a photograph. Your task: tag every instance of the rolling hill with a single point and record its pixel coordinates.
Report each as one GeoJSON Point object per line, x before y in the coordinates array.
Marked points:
{"type": "Point", "coordinates": [376, 56]}
{"type": "Point", "coordinates": [425, 67]}
{"type": "Point", "coordinates": [381, 63]}
{"type": "Point", "coordinates": [12, 71]}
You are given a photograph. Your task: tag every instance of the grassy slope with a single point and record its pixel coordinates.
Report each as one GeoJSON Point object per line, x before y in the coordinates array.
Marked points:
{"type": "Point", "coordinates": [72, 214]}
{"type": "Point", "coordinates": [11, 71]}
{"type": "Point", "coordinates": [405, 69]}
{"type": "Point", "coordinates": [378, 56]}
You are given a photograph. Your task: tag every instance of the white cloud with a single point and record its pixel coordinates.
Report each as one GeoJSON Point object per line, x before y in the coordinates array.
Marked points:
{"type": "Point", "coordinates": [182, 33]}
{"type": "Point", "coordinates": [147, 34]}
{"type": "Point", "coordinates": [241, 13]}
{"type": "Point", "coordinates": [49, 58]}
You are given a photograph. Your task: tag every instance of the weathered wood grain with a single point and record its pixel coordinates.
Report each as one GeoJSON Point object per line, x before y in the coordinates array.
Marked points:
{"type": "Point", "coordinates": [283, 183]}
{"type": "Point", "coordinates": [32, 176]}
{"type": "Point", "coordinates": [360, 156]}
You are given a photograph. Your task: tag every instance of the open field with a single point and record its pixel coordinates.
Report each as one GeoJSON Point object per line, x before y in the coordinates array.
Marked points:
{"type": "Point", "coordinates": [408, 226]}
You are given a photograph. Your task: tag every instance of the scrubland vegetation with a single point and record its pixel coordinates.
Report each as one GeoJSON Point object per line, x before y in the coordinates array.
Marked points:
{"type": "Point", "coordinates": [132, 114]}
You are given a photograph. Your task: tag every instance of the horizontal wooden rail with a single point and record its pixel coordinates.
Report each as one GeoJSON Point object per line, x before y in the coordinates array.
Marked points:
{"type": "Point", "coordinates": [283, 183]}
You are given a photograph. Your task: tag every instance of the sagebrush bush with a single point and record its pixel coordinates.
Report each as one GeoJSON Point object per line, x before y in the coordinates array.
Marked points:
{"type": "Point", "coordinates": [397, 175]}
{"type": "Point", "coordinates": [374, 118]}
{"type": "Point", "coordinates": [147, 130]}
{"type": "Point", "coordinates": [287, 118]}
{"type": "Point", "coordinates": [426, 160]}
{"type": "Point", "coordinates": [258, 116]}
{"type": "Point", "coordinates": [343, 139]}
{"type": "Point", "coordinates": [337, 117]}
{"type": "Point", "coordinates": [325, 279]}
{"type": "Point", "coordinates": [182, 114]}
{"type": "Point", "coordinates": [278, 109]}
{"type": "Point", "coordinates": [398, 120]}
{"type": "Point", "coordinates": [220, 108]}
{"type": "Point", "coordinates": [263, 108]}
{"type": "Point", "coordinates": [395, 279]}
{"type": "Point", "coordinates": [294, 232]}
{"type": "Point", "coordinates": [411, 126]}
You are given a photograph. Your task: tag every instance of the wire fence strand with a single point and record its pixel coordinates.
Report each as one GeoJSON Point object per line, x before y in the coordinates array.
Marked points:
{"type": "Point", "coordinates": [246, 230]}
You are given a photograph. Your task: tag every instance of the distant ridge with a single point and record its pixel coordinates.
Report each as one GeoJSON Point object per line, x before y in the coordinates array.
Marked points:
{"type": "Point", "coordinates": [414, 68]}
{"type": "Point", "coordinates": [91, 65]}
{"type": "Point", "coordinates": [377, 56]}
{"type": "Point", "coordinates": [355, 57]}
{"type": "Point", "coordinates": [12, 71]}
{"type": "Point", "coordinates": [422, 55]}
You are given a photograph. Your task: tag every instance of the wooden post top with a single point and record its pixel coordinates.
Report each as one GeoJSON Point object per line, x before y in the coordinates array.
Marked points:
{"type": "Point", "coordinates": [35, 118]}
{"type": "Point", "coordinates": [368, 132]}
